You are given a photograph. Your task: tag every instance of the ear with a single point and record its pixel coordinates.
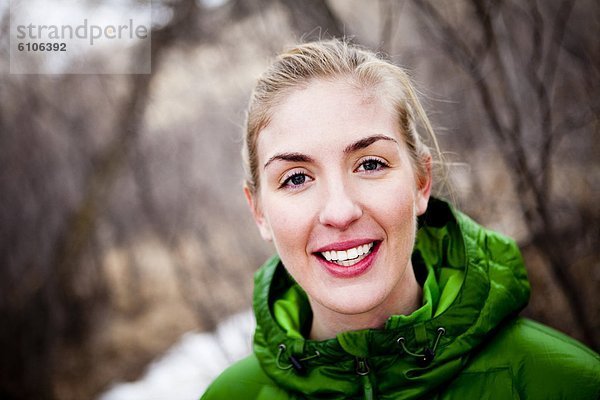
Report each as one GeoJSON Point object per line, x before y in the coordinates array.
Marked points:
{"type": "Point", "coordinates": [424, 187]}
{"type": "Point", "coordinates": [257, 214]}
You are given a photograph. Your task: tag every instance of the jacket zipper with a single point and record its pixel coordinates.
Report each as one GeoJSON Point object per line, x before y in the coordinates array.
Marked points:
{"type": "Point", "coordinates": [362, 369]}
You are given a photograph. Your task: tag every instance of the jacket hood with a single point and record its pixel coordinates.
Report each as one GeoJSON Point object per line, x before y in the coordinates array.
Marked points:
{"type": "Point", "coordinates": [473, 279]}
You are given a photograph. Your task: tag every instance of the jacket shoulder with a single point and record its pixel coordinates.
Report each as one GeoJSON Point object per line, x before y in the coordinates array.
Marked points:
{"type": "Point", "coordinates": [543, 362]}
{"type": "Point", "coordinates": [243, 380]}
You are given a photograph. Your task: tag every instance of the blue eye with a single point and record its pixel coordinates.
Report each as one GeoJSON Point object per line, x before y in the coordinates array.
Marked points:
{"type": "Point", "coordinates": [295, 180]}
{"type": "Point", "coordinates": [371, 164]}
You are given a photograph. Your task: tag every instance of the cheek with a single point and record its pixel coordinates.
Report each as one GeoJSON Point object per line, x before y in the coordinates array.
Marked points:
{"type": "Point", "coordinates": [395, 202]}
{"type": "Point", "coordinates": [402, 221]}
{"type": "Point", "coordinates": [290, 224]}
{"type": "Point", "coordinates": [396, 214]}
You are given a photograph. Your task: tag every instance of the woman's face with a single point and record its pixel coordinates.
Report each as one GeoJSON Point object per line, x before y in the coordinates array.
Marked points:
{"type": "Point", "coordinates": [338, 196]}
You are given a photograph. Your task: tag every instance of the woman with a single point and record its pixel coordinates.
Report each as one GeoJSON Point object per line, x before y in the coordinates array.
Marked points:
{"type": "Point", "coordinates": [378, 290]}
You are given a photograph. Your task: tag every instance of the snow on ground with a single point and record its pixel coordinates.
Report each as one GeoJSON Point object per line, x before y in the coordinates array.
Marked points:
{"type": "Point", "coordinates": [185, 371]}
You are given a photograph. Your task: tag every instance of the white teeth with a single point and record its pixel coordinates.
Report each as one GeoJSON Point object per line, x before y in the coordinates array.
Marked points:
{"type": "Point", "coordinates": [352, 253]}
{"type": "Point", "coordinates": [348, 257]}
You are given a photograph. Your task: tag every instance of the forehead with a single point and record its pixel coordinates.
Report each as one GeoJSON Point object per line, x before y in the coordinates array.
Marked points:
{"type": "Point", "coordinates": [328, 113]}
{"type": "Point", "coordinates": [322, 96]}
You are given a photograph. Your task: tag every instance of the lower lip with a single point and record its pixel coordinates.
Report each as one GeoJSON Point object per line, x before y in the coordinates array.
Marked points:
{"type": "Point", "coordinates": [353, 271]}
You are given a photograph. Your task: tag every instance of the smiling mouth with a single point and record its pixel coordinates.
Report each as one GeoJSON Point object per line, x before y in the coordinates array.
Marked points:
{"type": "Point", "coordinates": [349, 257]}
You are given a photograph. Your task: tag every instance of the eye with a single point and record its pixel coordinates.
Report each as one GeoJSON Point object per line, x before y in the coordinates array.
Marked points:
{"type": "Point", "coordinates": [295, 180]}
{"type": "Point", "coordinates": [372, 164]}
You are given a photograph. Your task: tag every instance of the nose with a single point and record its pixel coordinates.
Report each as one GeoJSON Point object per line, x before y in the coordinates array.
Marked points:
{"type": "Point", "coordinates": [340, 207]}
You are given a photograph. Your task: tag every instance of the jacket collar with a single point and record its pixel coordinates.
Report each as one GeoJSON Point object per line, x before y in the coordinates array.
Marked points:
{"type": "Point", "coordinates": [464, 304]}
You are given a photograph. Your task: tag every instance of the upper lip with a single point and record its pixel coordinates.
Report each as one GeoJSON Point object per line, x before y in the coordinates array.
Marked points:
{"type": "Point", "coordinates": [344, 245]}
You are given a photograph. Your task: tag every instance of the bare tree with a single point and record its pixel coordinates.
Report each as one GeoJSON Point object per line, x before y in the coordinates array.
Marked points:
{"type": "Point", "coordinates": [46, 308]}
{"type": "Point", "coordinates": [313, 19]}
{"type": "Point", "coordinates": [516, 86]}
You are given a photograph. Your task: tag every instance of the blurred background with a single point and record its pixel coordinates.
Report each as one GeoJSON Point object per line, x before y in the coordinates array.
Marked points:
{"type": "Point", "coordinates": [122, 219]}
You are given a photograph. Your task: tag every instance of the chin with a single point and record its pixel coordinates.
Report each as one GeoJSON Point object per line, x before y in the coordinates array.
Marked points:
{"type": "Point", "coordinates": [352, 300]}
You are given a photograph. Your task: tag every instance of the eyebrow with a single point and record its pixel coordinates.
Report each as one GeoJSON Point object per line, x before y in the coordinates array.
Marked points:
{"type": "Point", "coordinates": [290, 157]}
{"type": "Point", "coordinates": [366, 142]}
{"type": "Point", "coordinates": [358, 145]}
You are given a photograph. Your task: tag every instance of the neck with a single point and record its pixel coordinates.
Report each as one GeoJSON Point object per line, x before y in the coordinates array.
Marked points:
{"type": "Point", "coordinates": [403, 300]}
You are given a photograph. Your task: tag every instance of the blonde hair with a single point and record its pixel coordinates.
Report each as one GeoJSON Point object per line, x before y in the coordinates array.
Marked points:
{"type": "Point", "coordinates": [333, 59]}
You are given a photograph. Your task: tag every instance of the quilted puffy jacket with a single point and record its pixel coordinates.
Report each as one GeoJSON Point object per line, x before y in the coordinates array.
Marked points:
{"type": "Point", "coordinates": [465, 342]}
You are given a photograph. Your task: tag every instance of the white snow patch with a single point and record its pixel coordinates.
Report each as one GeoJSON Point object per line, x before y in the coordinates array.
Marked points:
{"type": "Point", "coordinates": [185, 371]}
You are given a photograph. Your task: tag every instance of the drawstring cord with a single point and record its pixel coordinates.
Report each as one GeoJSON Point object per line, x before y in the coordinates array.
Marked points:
{"type": "Point", "coordinates": [294, 362]}
{"type": "Point", "coordinates": [362, 367]}
{"type": "Point", "coordinates": [428, 353]}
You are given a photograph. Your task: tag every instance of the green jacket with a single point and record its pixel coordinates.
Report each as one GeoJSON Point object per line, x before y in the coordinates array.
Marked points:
{"type": "Point", "coordinates": [465, 342]}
